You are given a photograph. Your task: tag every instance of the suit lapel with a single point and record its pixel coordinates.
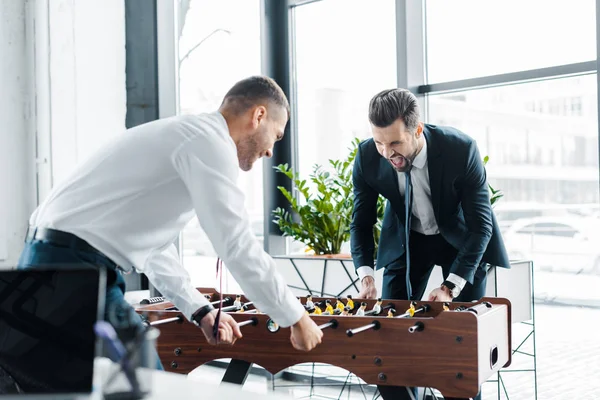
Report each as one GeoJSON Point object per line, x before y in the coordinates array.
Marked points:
{"type": "Point", "coordinates": [435, 168]}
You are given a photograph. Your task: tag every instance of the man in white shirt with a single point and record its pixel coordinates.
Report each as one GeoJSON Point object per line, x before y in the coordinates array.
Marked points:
{"type": "Point", "coordinates": [125, 206]}
{"type": "Point", "coordinates": [438, 210]}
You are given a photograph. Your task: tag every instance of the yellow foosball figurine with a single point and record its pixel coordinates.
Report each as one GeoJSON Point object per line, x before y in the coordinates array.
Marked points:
{"type": "Point", "coordinates": [350, 302]}
{"type": "Point", "coordinates": [339, 305]}
{"type": "Point", "coordinates": [328, 307]}
{"type": "Point", "coordinates": [390, 313]}
{"type": "Point", "coordinates": [446, 306]}
{"type": "Point", "coordinates": [317, 310]}
{"type": "Point", "coordinates": [411, 310]}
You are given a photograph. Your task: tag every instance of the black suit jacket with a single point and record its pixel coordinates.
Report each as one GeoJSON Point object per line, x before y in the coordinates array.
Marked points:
{"type": "Point", "coordinates": [459, 195]}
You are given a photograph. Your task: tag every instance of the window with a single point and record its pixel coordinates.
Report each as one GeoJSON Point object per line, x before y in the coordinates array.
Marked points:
{"type": "Point", "coordinates": [217, 48]}
{"type": "Point", "coordinates": [473, 38]}
{"type": "Point", "coordinates": [546, 163]}
{"type": "Point", "coordinates": [339, 66]}
{"type": "Point", "coordinates": [544, 152]}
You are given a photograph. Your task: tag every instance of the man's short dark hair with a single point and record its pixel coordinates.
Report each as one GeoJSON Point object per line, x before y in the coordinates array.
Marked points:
{"type": "Point", "coordinates": [389, 105]}
{"type": "Point", "coordinates": [253, 90]}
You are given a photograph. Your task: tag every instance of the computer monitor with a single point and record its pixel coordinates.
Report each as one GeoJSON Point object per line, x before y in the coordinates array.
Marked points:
{"type": "Point", "coordinates": [47, 340]}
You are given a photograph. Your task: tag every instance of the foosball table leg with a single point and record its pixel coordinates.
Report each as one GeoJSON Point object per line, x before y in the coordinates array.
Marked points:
{"type": "Point", "coordinates": [237, 372]}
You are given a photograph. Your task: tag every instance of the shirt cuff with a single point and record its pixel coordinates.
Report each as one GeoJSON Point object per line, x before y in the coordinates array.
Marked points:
{"type": "Point", "coordinates": [457, 280]}
{"type": "Point", "coordinates": [190, 302]}
{"type": "Point", "coordinates": [365, 271]}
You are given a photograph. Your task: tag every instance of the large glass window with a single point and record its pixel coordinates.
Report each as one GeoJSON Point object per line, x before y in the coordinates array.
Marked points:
{"type": "Point", "coordinates": [217, 48]}
{"type": "Point", "coordinates": [474, 38]}
{"type": "Point", "coordinates": [542, 142]}
{"type": "Point", "coordinates": [345, 54]}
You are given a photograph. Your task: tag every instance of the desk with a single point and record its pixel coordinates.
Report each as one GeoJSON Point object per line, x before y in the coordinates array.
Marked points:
{"type": "Point", "coordinates": [169, 385]}
{"type": "Point", "coordinates": [165, 386]}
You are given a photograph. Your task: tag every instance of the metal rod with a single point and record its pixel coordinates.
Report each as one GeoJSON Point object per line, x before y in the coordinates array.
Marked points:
{"type": "Point", "coordinates": [178, 318]}
{"type": "Point", "coordinates": [375, 325]}
{"type": "Point", "coordinates": [225, 300]}
{"type": "Point", "coordinates": [232, 308]}
{"type": "Point", "coordinates": [333, 324]}
{"type": "Point", "coordinates": [417, 327]}
{"type": "Point", "coordinates": [251, 321]}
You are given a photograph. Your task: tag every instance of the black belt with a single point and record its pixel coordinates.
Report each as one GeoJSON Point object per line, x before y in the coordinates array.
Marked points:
{"type": "Point", "coordinates": [64, 239]}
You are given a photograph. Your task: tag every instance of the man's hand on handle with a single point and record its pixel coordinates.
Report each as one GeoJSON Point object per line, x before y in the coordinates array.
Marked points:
{"type": "Point", "coordinates": [229, 331]}
{"type": "Point", "coordinates": [368, 290]}
{"type": "Point", "coordinates": [305, 334]}
{"type": "Point", "coordinates": [440, 294]}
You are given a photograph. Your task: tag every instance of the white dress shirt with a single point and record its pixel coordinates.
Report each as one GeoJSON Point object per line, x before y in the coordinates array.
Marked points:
{"type": "Point", "coordinates": [133, 197]}
{"type": "Point", "coordinates": [423, 217]}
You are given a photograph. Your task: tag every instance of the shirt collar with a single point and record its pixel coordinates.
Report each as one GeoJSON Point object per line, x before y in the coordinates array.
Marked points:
{"type": "Point", "coordinates": [421, 159]}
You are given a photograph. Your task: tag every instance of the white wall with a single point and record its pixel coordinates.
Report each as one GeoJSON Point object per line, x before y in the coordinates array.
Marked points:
{"type": "Point", "coordinates": [62, 87]}
{"type": "Point", "coordinates": [16, 136]}
{"type": "Point", "coordinates": [87, 76]}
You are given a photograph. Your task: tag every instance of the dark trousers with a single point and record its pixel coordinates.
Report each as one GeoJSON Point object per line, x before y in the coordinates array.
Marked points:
{"type": "Point", "coordinates": [41, 254]}
{"type": "Point", "coordinates": [425, 253]}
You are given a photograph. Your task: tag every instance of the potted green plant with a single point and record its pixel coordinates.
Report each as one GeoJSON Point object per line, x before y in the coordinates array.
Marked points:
{"type": "Point", "coordinates": [320, 215]}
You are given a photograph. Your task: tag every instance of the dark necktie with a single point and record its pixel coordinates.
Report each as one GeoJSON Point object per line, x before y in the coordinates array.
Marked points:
{"type": "Point", "coordinates": [408, 198]}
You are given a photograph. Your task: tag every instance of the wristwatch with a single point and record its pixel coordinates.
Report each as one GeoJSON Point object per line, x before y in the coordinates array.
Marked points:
{"type": "Point", "coordinates": [201, 313]}
{"type": "Point", "coordinates": [454, 291]}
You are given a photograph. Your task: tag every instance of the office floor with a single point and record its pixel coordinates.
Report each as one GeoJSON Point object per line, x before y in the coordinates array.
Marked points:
{"type": "Point", "coordinates": [257, 382]}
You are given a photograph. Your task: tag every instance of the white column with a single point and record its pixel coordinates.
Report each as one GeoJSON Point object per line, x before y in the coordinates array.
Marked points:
{"type": "Point", "coordinates": [17, 190]}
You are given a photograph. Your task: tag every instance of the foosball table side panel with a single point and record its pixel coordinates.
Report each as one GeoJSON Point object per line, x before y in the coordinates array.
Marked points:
{"type": "Point", "coordinates": [494, 345]}
{"type": "Point", "coordinates": [390, 355]}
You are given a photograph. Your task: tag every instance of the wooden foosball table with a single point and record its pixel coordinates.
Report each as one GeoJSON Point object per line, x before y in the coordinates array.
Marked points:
{"type": "Point", "coordinates": [453, 347]}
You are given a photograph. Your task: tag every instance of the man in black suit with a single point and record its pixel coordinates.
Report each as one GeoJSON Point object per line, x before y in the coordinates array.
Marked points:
{"type": "Point", "coordinates": [433, 177]}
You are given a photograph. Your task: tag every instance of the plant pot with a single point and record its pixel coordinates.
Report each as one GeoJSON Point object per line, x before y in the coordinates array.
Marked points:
{"type": "Point", "coordinates": [329, 275]}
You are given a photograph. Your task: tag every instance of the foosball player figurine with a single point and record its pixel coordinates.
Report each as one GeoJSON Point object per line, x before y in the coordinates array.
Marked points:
{"type": "Point", "coordinates": [328, 307]}
{"type": "Point", "coordinates": [391, 312]}
{"type": "Point", "coordinates": [238, 302]}
{"type": "Point", "coordinates": [346, 311]}
{"type": "Point", "coordinates": [207, 296]}
{"type": "Point", "coordinates": [309, 302]}
{"type": "Point", "coordinates": [361, 311]}
{"type": "Point", "coordinates": [377, 306]}
{"type": "Point", "coordinates": [310, 310]}
{"type": "Point", "coordinates": [446, 306]}
{"type": "Point", "coordinates": [317, 310]}
{"type": "Point", "coordinates": [339, 305]}
{"type": "Point", "coordinates": [411, 309]}
{"type": "Point", "coordinates": [350, 302]}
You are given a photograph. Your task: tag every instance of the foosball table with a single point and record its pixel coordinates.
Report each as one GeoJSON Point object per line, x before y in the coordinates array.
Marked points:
{"type": "Point", "coordinates": [453, 347]}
